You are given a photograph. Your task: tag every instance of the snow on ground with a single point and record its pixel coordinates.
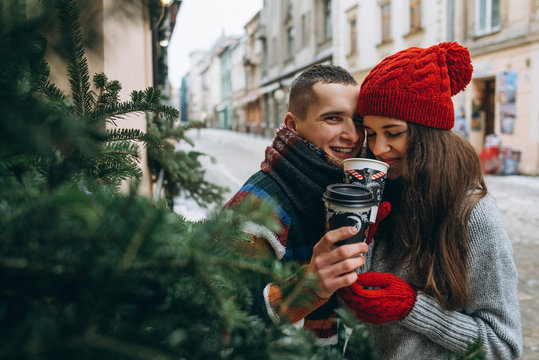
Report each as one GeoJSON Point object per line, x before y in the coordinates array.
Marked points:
{"type": "Point", "coordinates": [233, 158]}
{"type": "Point", "coordinates": [517, 198]}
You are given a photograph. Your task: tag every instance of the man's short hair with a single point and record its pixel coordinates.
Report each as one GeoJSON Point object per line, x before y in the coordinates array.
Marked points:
{"type": "Point", "coordinates": [301, 92]}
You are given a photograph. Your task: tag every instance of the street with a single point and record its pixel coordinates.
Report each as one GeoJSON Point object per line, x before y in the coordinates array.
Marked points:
{"type": "Point", "coordinates": [239, 155]}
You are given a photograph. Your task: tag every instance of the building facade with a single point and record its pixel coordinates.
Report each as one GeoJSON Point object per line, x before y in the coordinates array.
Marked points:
{"type": "Point", "coordinates": [294, 35]}
{"type": "Point", "coordinates": [503, 39]}
{"type": "Point", "coordinates": [251, 64]}
{"type": "Point", "coordinates": [238, 84]}
{"type": "Point", "coordinates": [288, 36]}
{"type": "Point", "coordinates": [196, 85]}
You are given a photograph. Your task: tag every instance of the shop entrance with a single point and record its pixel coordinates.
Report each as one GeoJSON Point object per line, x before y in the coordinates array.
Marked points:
{"type": "Point", "coordinates": [483, 106]}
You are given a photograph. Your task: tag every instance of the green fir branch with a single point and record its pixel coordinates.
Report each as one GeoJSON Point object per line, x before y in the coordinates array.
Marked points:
{"type": "Point", "coordinates": [109, 91]}
{"type": "Point", "coordinates": [79, 77]}
{"type": "Point", "coordinates": [53, 94]}
{"type": "Point", "coordinates": [117, 111]}
{"type": "Point", "coordinates": [117, 161]}
{"type": "Point", "coordinates": [121, 148]}
{"type": "Point", "coordinates": [149, 140]}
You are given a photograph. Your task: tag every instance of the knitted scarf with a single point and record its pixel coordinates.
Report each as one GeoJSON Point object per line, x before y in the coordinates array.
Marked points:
{"type": "Point", "coordinates": [302, 169]}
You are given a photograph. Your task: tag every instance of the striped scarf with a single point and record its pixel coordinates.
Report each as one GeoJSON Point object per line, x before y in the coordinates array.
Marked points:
{"type": "Point", "coordinates": [302, 169]}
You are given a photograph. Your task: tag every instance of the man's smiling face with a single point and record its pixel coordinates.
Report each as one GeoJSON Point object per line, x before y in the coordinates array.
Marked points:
{"type": "Point", "coordinates": [331, 120]}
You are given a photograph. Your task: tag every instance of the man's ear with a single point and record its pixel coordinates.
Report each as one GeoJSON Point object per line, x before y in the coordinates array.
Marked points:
{"type": "Point", "coordinates": [291, 121]}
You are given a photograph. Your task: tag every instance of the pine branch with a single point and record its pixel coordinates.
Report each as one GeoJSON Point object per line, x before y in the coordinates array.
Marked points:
{"type": "Point", "coordinates": [151, 141]}
{"type": "Point", "coordinates": [360, 344]}
{"type": "Point", "coordinates": [121, 148]}
{"type": "Point", "coordinates": [79, 77]}
{"type": "Point", "coordinates": [109, 91]}
{"type": "Point", "coordinates": [136, 242]}
{"type": "Point", "coordinates": [117, 161]}
{"type": "Point", "coordinates": [164, 129]}
{"type": "Point", "coordinates": [52, 93]}
{"type": "Point", "coordinates": [474, 351]}
{"type": "Point", "coordinates": [131, 349]}
{"type": "Point", "coordinates": [118, 111]}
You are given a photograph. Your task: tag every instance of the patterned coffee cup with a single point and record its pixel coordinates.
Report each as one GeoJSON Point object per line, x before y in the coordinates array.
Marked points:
{"type": "Point", "coordinates": [348, 205]}
{"type": "Point", "coordinates": [369, 173]}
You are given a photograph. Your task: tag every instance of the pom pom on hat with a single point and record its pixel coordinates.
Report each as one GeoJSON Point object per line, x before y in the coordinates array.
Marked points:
{"type": "Point", "coordinates": [416, 85]}
{"type": "Point", "coordinates": [459, 66]}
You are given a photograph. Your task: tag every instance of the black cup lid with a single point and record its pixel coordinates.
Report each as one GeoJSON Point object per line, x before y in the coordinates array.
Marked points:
{"type": "Point", "coordinates": [349, 195]}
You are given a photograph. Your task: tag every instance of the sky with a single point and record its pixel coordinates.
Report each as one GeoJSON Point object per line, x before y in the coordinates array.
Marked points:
{"type": "Point", "coordinates": [199, 24]}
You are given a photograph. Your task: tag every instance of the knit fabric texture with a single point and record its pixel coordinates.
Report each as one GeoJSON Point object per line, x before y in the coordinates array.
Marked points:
{"type": "Point", "coordinates": [294, 175]}
{"type": "Point", "coordinates": [491, 312]}
{"type": "Point", "coordinates": [390, 298]}
{"type": "Point", "coordinates": [416, 85]}
{"type": "Point", "coordinates": [383, 211]}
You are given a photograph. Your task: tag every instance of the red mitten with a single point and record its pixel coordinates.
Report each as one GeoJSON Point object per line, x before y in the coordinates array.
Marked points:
{"type": "Point", "coordinates": [383, 210]}
{"type": "Point", "coordinates": [392, 299]}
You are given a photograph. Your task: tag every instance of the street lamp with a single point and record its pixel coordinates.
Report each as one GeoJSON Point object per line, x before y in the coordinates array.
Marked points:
{"type": "Point", "coordinates": [165, 39]}
{"type": "Point", "coordinates": [278, 95]}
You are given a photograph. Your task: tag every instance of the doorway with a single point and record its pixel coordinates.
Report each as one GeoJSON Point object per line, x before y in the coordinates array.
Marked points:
{"type": "Point", "coordinates": [483, 106]}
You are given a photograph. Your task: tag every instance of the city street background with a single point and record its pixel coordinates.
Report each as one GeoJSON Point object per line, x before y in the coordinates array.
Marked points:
{"type": "Point", "coordinates": [238, 155]}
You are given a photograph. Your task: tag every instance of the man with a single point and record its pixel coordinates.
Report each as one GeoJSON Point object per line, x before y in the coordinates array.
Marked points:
{"type": "Point", "coordinates": [321, 129]}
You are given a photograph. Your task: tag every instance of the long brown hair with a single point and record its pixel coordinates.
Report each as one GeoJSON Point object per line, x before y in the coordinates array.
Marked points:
{"type": "Point", "coordinates": [441, 183]}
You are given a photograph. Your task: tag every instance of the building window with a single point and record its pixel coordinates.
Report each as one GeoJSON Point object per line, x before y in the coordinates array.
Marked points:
{"type": "Point", "coordinates": [386, 22]}
{"type": "Point", "coordinates": [305, 29]}
{"type": "Point", "coordinates": [263, 55]}
{"type": "Point", "coordinates": [415, 15]}
{"type": "Point", "coordinates": [290, 33]}
{"type": "Point", "coordinates": [353, 36]}
{"type": "Point", "coordinates": [487, 16]}
{"type": "Point", "coordinates": [328, 22]}
{"type": "Point", "coordinates": [274, 51]}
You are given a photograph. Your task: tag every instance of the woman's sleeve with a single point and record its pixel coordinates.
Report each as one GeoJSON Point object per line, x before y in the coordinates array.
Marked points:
{"type": "Point", "coordinates": [492, 311]}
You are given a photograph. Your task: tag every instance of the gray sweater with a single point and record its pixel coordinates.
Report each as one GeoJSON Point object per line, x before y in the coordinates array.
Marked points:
{"type": "Point", "coordinates": [491, 312]}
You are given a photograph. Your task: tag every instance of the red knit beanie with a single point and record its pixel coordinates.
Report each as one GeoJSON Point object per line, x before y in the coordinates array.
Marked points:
{"type": "Point", "coordinates": [416, 85]}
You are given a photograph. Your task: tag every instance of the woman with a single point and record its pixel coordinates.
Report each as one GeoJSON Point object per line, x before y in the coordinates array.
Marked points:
{"type": "Point", "coordinates": [439, 274]}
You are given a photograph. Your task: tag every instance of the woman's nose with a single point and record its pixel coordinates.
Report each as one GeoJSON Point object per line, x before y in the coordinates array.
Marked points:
{"type": "Point", "coordinates": [379, 145]}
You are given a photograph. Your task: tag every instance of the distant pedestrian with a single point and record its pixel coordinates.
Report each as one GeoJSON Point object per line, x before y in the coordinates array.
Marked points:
{"type": "Point", "coordinates": [441, 263]}
{"type": "Point", "coordinates": [321, 128]}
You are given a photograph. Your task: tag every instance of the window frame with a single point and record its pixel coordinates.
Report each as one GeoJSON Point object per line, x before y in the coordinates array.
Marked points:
{"type": "Point", "coordinates": [484, 11]}
{"type": "Point", "coordinates": [290, 38]}
{"type": "Point", "coordinates": [385, 22]}
{"type": "Point", "coordinates": [415, 7]}
{"type": "Point", "coordinates": [352, 34]}
{"type": "Point", "coordinates": [328, 19]}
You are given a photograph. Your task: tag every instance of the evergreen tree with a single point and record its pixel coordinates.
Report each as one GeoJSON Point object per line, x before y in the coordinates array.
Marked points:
{"type": "Point", "coordinates": [90, 273]}
{"type": "Point", "coordinates": [177, 170]}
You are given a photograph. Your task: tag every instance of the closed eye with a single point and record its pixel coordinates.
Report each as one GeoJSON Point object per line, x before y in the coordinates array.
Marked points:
{"type": "Point", "coordinates": [388, 134]}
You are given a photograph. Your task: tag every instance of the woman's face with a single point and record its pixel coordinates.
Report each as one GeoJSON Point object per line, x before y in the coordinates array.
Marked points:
{"type": "Point", "coordinates": [387, 139]}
